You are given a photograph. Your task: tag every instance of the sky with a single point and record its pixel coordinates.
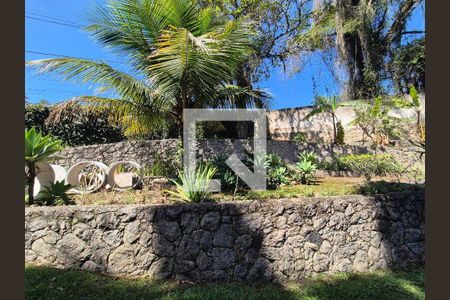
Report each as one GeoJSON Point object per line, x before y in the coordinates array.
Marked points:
{"type": "Point", "coordinates": [59, 35]}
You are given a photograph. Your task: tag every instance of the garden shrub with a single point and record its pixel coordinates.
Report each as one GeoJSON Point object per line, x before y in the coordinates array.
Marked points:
{"type": "Point", "coordinates": [228, 179]}
{"type": "Point", "coordinates": [306, 167]}
{"type": "Point", "coordinates": [299, 137]}
{"type": "Point", "coordinates": [82, 127]}
{"type": "Point", "coordinates": [276, 170]}
{"type": "Point", "coordinates": [370, 165]}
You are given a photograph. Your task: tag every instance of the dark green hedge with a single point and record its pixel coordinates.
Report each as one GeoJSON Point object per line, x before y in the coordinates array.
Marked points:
{"type": "Point", "coordinates": [85, 128]}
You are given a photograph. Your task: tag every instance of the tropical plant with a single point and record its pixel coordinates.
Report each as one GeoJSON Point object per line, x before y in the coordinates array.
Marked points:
{"type": "Point", "coordinates": [229, 180]}
{"type": "Point", "coordinates": [54, 194]}
{"type": "Point", "coordinates": [370, 165]}
{"type": "Point", "coordinates": [183, 56]}
{"type": "Point", "coordinates": [413, 103]}
{"type": "Point", "coordinates": [38, 148]}
{"type": "Point", "coordinates": [361, 36]}
{"type": "Point", "coordinates": [306, 170]}
{"type": "Point", "coordinates": [193, 186]}
{"type": "Point", "coordinates": [408, 66]}
{"type": "Point", "coordinates": [309, 156]}
{"type": "Point", "coordinates": [276, 170]}
{"type": "Point", "coordinates": [299, 137]}
{"type": "Point", "coordinates": [327, 106]}
{"type": "Point", "coordinates": [373, 118]}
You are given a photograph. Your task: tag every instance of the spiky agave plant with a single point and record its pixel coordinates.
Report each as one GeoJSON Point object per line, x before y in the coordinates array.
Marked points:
{"type": "Point", "coordinates": [193, 186]}
{"type": "Point", "coordinates": [181, 55]}
{"type": "Point", "coordinates": [306, 170]}
{"type": "Point", "coordinates": [38, 148]}
{"type": "Point", "coordinates": [55, 194]}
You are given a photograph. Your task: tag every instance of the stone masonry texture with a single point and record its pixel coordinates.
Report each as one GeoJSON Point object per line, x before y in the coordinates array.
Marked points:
{"type": "Point", "coordinates": [145, 152]}
{"type": "Point", "coordinates": [285, 239]}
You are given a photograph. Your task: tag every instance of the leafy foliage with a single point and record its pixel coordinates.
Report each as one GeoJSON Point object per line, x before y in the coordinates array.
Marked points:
{"type": "Point", "coordinates": [373, 118]}
{"type": "Point", "coordinates": [165, 164]}
{"type": "Point", "coordinates": [408, 66]}
{"type": "Point", "coordinates": [276, 170]}
{"type": "Point", "coordinates": [413, 103]}
{"type": "Point", "coordinates": [77, 126]}
{"type": "Point", "coordinates": [306, 167]}
{"type": "Point", "coordinates": [299, 137]}
{"type": "Point", "coordinates": [370, 165]}
{"type": "Point", "coordinates": [228, 179]}
{"type": "Point", "coordinates": [192, 186]}
{"type": "Point", "coordinates": [39, 147]}
{"type": "Point", "coordinates": [327, 106]}
{"type": "Point", "coordinates": [54, 194]}
{"type": "Point", "coordinates": [182, 56]}
{"type": "Point", "coordinates": [361, 36]}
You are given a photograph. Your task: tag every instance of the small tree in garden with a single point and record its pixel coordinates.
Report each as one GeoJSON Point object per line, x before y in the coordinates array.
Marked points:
{"type": "Point", "coordinates": [413, 103]}
{"type": "Point", "coordinates": [38, 148]}
{"type": "Point", "coordinates": [374, 120]}
{"type": "Point", "coordinates": [340, 133]}
{"type": "Point", "coordinates": [327, 106]}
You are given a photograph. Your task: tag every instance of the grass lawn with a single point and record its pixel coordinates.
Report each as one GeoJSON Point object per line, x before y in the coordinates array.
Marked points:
{"type": "Point", "coordinates": [49, 283]}
{"type": "Point", "coordinates": [328, 186]}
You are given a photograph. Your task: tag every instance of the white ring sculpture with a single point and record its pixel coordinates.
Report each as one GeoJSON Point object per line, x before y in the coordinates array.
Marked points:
{"type": "Point", "coordinates": [49, 173]}
{"type": "Point", "coordinates": [113, 168]}
{"type": "Point", "coordinates": [44, 177]}
{"type": "Point", "coordinates": [73, 178]}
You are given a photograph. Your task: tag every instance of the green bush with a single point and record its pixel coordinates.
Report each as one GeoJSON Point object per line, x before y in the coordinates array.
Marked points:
{"type": "Point", "coordinates": [299, 137]}
{"type": "Point", "coordinates": [79, 127]}
{"type": "Point", "coordinates": [370, 165]}
{"type": "Point", "coordinates": [306, 169]}
{"type": "Point", "coordinates": [276, 170]}
{"type": "Point", "coordinates": [225, 174]}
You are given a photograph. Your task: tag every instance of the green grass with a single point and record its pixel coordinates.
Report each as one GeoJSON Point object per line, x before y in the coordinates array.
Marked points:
{"type": "Point", "coordinates": [49, 283]}
{"type": "Point", "coordinates": [322, 187]}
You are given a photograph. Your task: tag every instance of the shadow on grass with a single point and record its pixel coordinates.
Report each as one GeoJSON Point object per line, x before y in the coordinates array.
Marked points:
{"type": "Point", "coordinates": [50, 283]}
{"type": "Point", "coordinates": [385, 187]}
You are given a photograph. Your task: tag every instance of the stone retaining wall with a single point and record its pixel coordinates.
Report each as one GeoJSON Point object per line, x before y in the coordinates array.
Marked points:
{"type": "Point", "coordinates": [238, 241]}
{"type": "Point", "coordinates": [145, 152]}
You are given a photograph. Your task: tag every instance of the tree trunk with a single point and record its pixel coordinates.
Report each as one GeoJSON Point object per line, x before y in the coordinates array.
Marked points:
{"type": "Point", "coordinates": [31, 177]}
{"type": "Point", "coordinates": [356, 51]}
{"type": "Point", "coordinates": [334, 129]}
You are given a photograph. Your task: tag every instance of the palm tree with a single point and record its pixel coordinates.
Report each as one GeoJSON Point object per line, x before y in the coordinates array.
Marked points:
{"type": "Point", "coordinates": [38, 148]}
{"type": "Point", "coordinates": [328, 106]}
{"type": "Point", "coordinates": [182, 56]}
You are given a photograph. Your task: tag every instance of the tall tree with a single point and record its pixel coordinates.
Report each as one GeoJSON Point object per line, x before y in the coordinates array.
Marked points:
{"type": "Point", "coordinates": [182, 56]}
{"type": "Point", "coordinates": [364, 33]}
